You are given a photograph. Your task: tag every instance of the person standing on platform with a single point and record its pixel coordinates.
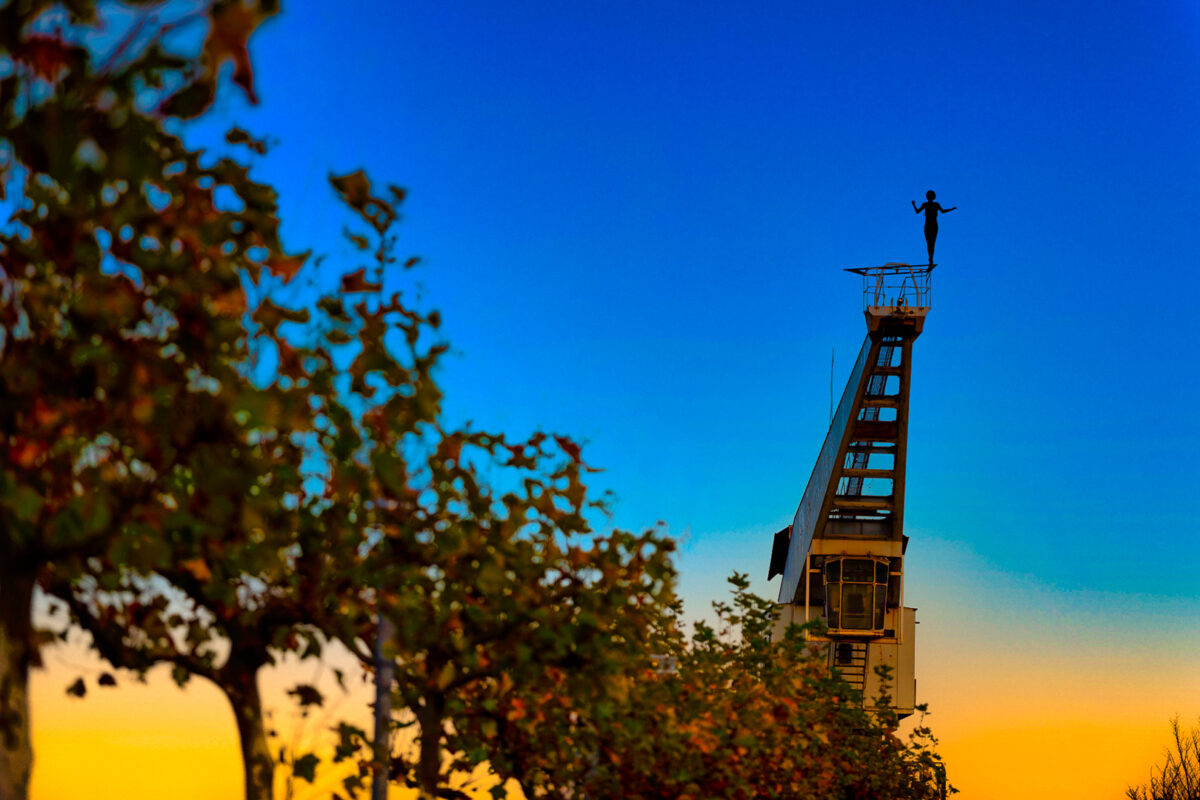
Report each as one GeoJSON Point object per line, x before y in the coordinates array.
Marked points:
{"type": "Point", "coordinates": [931, 209]}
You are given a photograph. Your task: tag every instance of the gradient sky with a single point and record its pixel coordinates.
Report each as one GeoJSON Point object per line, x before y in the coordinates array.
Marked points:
{"type": "Point", "coordinates": [634, 217]}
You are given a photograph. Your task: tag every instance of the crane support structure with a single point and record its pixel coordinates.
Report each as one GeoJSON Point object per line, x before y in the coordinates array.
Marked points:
{"type": "Point", "coordinates": [842, 558]}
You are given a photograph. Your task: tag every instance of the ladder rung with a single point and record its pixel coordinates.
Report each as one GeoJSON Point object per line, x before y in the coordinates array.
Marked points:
{"type": "Point", "coordinates": [855, 472]}
{"type": "Point", "coordinates": [869, 448]}
{"type": "Point", "coordinates": [862, 502]}
{"type": "Point", "coordinates": [875, 431]}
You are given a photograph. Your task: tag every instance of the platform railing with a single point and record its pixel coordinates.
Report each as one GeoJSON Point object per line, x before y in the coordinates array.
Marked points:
{"type": "Point", "coordinates": [896, 285]}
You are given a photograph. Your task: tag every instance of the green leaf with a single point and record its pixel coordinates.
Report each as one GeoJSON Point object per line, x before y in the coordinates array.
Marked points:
{"type": "Point", "coordinates": [338, 336]}
{"type": "Point", "coordinates": [359, 242]}
{"type": "Point", "coordinates": [180, 675]}
{"type": "Point", "coordinates": [306, 767]}
{"type": "Point", "coordinates": [350, 739]}
{"type": "Point", "coordinates": [191, 101]}
{"type": "Point", "coordinates": [270, 316]}
{"type": "Point", "coordinates": [238, 136]}
{"type": "Point", "coordinates": [306, 695]}
{"type": "Point", "coordinates": [27, 503]}
{"type": "Point", "coordinates": [491, 578]}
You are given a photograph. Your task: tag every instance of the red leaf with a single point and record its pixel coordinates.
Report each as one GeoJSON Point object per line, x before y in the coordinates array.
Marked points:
{"type": "Point", "coordinates": [570, 448]}
{"type": "Point", "coordinates": [357, 282]}
{"type": "Point", "coordinates": [47, 56]}
{"type": "Point", "coordinates": [355, 191]}
{"type": "Point", "coordinates": [232, 24]}
{"type": "Point", "coordinates": [286, 267]}
{"type": "Point", "coordinates": [198, 568]}
{"type": "Point", "coordinates": [450, 449]}
{"type": "Point", "coordinates": [231, 303]}
{"type": "Point", "coordinates": [290, 363]}
{"type": "Point", "coordinates": [142, 409]}
{"type": "Point", "coordinates": [44, 414]}
{"type": "Point", "coordinates": [25, 453]}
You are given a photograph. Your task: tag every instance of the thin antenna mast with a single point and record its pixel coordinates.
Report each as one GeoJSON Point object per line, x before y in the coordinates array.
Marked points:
{"type": "Point", "coordinates": [832, 352]}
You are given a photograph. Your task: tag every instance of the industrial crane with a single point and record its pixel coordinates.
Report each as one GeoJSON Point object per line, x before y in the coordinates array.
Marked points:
{"type": "Point", "coordinates": [842, 558]}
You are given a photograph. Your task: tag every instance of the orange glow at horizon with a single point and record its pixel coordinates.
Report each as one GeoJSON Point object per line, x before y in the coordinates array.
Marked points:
{"type": "Point", "coordinates": [158, 741]}
{"type": "Point", "coordinates": [1034, 692]}
{"type": "Point", "coordinates": [133, 741]}
{"type": "Point", "coordinates": [154, 740]}
{"type": "Point", "coordinates": [1041, 692]}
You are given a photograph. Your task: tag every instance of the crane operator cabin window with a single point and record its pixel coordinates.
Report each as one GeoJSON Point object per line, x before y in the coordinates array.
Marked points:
{"type": "Point", "coordinates": [855, 594]}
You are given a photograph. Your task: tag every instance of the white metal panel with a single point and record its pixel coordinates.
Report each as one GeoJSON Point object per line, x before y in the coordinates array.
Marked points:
{"type": "Point", "coordinates": [906, 680]}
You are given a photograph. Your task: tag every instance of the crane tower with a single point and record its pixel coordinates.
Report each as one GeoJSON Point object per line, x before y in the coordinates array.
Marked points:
{"type": "Point", "coordinates": [842, 558]}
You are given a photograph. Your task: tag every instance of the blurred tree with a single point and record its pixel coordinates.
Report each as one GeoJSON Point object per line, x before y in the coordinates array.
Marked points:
{"type": "Point", "coordinates": [491, 588]}
{"type": "Point", "coordinates": [158, 490]}
{"type": "Point", "coordinates": [728, 714]}
{"type": "Point", "coordinates": [123, 343]}
{"type": "Point", "coordinates": [259, 555]}
{"type": "Point", "coordinates": [1179, 776]}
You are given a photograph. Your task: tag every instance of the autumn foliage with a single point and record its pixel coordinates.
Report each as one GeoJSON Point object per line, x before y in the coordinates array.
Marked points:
{"type": "Point", "coordinates": [723, 713]}
{"type": "Point", "coordinates": [122, 340]}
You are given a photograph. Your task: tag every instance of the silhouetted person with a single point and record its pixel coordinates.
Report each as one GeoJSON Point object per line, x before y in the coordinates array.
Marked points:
{"type": "Point", "coordinates": [931, 209]}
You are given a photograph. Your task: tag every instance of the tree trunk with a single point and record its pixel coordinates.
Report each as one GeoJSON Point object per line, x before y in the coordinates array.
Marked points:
{"type": "Point", "coordinates": [241, 687]}
{"type": "Point", "coordinates": [429, 765]}
{"type": "Point", "coordinates": [16, 628]}
{"type": "Point", "coordinates": [384, 671]}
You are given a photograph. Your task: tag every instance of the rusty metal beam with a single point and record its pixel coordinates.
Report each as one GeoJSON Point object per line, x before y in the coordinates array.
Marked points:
{"type": "Point", "coordinates": [863, 502]}
{"type": "Point", "coordinates": [875, 431]}
{"type": "Point", "coordinates": [851, 472]}
{"type": "Point", "coordinates": [901, 460]}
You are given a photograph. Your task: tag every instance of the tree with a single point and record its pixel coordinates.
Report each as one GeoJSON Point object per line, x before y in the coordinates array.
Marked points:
{"type": "Point", "coordinates": [487, 588]}
{"type": "Point", "coordinates": [1179, 776]}
{"type": "Point", "coordinates": [258, 555]}
{"type": "Point", "coordinates": [122, 340]}
{"type": "Point", "coordinates": [150, 481]}
{"type": "Point", "coordinates": [727, 714]}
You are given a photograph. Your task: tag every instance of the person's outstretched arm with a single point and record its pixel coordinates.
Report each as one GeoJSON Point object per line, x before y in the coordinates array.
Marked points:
{"type": "Point", "coordinates": [915, 209]}
{"type": "Point", "coordinates": [948, 210]}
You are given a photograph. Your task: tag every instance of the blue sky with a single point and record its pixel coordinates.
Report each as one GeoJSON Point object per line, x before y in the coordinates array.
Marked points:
{"type": "Point", "coordinates": [634, 218]}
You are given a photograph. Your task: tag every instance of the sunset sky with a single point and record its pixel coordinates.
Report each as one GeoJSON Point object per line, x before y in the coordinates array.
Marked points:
{"type": "Point", "coordinates": [634, 217]}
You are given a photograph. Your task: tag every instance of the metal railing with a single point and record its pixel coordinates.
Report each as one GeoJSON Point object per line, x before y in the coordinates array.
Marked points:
{"type": "Point", "coordinates": [896, 285]}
